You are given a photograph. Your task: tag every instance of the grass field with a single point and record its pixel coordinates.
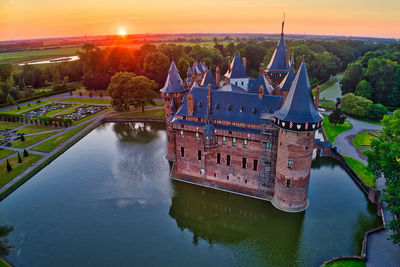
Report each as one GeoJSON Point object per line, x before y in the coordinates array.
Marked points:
{"type": "Point", "coordinates": [17, 168]}
{"type": "Point", "coordinates": [154, 114]}
{"type": "Point", "coordinates": [87, 100]}
{"type": "Point", "coordinates": [9, 125]}
{"type": "Point", "coordinates": [94, 93]}
{"type": "Point", "coordinates": [53, 143]}
{"type": "Point", "coordinates": [3, 263]}
{"type": "Point", "coordinates": [30, 128]}
{"type": "Point", "coordinates": [332, 131]}
{"type": "Point", "coordinates": [31, 140]}
{"type": "Point", "coordinates": [362, 139]}
{"type": "Point", "coordinates": [5, 152]}
{"type": "Point", "coordinates": [362, 171]}
{"type": "Point", "coordinates": [346, 263]}
{"type": "Point", "coordinates": [33, 55]}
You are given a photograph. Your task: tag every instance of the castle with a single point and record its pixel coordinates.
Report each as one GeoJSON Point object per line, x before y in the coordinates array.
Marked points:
{"type": "Point", "coordinates": [252, 136]}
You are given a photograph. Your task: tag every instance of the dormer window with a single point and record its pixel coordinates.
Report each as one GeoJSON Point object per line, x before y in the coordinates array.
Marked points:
{"type": "Point", "coordinates": [199, 104]}
{"type": "Point", "coordinates": [216, 106]}
{"type": "Point", "coordinates": [229, 108]}
{"type": "Point", "coordinates": [254, 111]}
{"type": "Point", "coordinates": [241, 109]}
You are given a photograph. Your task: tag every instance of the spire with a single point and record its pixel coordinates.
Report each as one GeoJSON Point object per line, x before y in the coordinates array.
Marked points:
{"type": "Point", "coordinates": [208, 79]}
{"type": "Point", "coordinates": [174, 83]}
{"type": "Point", "coordinates": [236, 70]}
{"type": "Point", "coordinates": [279, 62]}
{"type": "Point", "coordinates": [292, 62]}
{"type": "Point", "coordinates": [283, 23]}
{"type": "Point", "coordinates": [299, 105]}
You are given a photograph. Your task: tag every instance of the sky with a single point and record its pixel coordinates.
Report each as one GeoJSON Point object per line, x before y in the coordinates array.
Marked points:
{"type": "Point", "coordinates": [25, 19]}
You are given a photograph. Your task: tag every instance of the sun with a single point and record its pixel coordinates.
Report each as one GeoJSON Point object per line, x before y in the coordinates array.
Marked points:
{"type": "Point", "coordinates": [122, 32]}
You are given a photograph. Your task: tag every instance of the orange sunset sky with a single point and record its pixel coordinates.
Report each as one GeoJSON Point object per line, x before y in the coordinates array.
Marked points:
{"type": "Point", "coordinates": [22, 19]}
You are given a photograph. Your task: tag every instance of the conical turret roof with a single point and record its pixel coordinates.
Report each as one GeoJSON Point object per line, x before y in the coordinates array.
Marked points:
{"type": "Point", "coordinates": [279, 62]}
{"type": "Point", "coordinates": [174, 83]}
{"type": "Point", "coordinates": [299, 105]}
{"type": "Point", "coordinates": [236, 69]}
{"type": "Point", "coordinates": [208, 79]}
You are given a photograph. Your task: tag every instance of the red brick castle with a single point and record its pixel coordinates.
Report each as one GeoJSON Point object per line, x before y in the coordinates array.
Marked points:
{"type": "Point", "coordinates": [252, 136]}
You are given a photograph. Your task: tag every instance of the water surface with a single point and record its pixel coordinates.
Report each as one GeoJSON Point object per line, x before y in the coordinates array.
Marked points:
{"type": "Point", "coordinates": [108, 201]}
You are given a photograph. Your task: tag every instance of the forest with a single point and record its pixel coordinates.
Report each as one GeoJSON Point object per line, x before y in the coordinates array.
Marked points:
{"type": "Point", "coordinates": [96, 65]}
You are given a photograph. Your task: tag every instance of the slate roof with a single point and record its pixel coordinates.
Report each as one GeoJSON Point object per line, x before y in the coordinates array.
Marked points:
{"type": "Point", "coordinates": [201, 67]}
{"type": "Point", "coordinates": [288, 80]}
{"type": "Point", "coordinates": [208, 79]}
{"type": "Point", "coordinates": [232, 88]}
{"type": "Point", "coordinates": [299, 105]}
{"type": "Point", "coordinates": [174, 83]}
{"type": "Point", "coordinates": [279, 62]}
{"type": "Point", "coordinates": [236, 69]}
{"type": "Point", "coordinates": [189, 71]}
{"type": "Point", "coordinates": [230, 106]}
{"type": "Point", "coordinates": [254, 85]}
{"type": "Point", "coordinates": [195, 69]}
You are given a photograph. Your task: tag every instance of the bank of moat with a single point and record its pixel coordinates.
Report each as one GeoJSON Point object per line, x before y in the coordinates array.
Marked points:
{"type": "Point", "coordinates": [253, 136]}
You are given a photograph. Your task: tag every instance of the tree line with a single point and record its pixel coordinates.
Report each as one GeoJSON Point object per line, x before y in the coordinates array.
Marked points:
{"type": "Point", "coordinates": [375, 76]}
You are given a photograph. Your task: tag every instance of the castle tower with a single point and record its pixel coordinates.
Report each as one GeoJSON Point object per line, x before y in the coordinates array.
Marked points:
{"type": "Point", "coordinates": [236, 74]}
{"type": "Point", "coordinates": [285, 85]}
{"type": "Point", "coordinates": [297, 120]}
{"type": "Point", "coordinates": [279, 65]}
{"type": "Point", "coordinates": [172, 94]}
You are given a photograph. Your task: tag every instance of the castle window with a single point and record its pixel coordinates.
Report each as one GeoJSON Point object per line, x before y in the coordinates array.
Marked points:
{"type": "Point", "coordinates": [223, 140]}
{"type": "Point", "coordinates": [184, 117]}
{"type": "Point", "coordinates": [255, 165]}
{"type": "Point", "coordinates": [199, 119]}
{"type": "Point", "coordinates": [233, 141]}
{"type": "Point", "coordinates": [306, 147]}
{"type": "Point", "coordinates": [182, 152]}
{"type": "Point", "coordinates": [181, 133]}
{"type": "Point", "coordinates": [197, 136]}
{"type": "Point", "coordinates": [182, 126]}
{"type": "Point", "coordinates": [215, 175]}
{"type": "Point", "coordinates": [227, 177]}
{"type": "Point", "coordinates": [287, 182]}
{"type": "Point", "coordinates": [280, 143]}
{"type": "Point", "coordinates": [289, 165]}
{"type": "Point", "coordinates": [244, 163]}
{"type": "Point", "coordinates": [245, 181]}
{"type": "Point", "coordinates": [269, 145]}
{"type": "Point", "coordinates": [228, 160]}
{"type": "Point", "coordinates": [235, 83]}
{"type": "Point", "coordinates": [308, 134]}
{"type": "Point", "coordinates": [199, 154]}
{"type": "Point", "coordinates": [242, 83]}
{"type": "Point", "coordinates": [245, 143]}
{"type": "Point", "coordinates": [230, 132]}
{"type": "Point", "coordinates": [218, 158]}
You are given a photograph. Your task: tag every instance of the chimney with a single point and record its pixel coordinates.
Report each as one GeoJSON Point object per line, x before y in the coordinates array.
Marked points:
{"type": "Point", "coordinates": [260, 92]}
{"type": "Point", "coordinates": [217, 76]}
{"type": "Point", "coordinates": [261, 70]}
{"type": "Point", "coordinates": [244, 62]}
{"type": "Point", "coordinates": [190, 104]}
{"type": "Point", "coordinates": [209, 97]}
{"type": "Point", "coordinates": [317, 96]}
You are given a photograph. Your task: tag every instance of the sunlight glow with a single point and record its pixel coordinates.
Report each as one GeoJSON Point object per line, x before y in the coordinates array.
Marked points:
{"type": "Point", "coordinates": [122, 32]}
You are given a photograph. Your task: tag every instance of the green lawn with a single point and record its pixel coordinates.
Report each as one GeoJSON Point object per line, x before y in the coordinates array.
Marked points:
{"type": "Point", "coordinates": [53, 143]}
{"type": "Point", "coordinates": [31, 140]}
{"type": "Point", "coordinates": [154, 114]}
{"type": "Point", "coordinates": [86, 100]}
{"type": "Point", "coordinates": [346, 263]}
{"type": "Point", "coordinates": [3, 263]}
{"type": "Point", "coordinates": [9, 125]}
{"type": "Point", "coordinates": [17, 167]}
{"type": "Point", "coordinates": [362, 139]}
{"type": "Point", "coordinates": [27, 56]}
{"type": "Point", "coordinates": [362, 171]}
{"type": "Point", "coordinates": [5, 152]}
{"type": "Point", "coordinates": [332, 131]}
{"type": "Point", "coordinates": [31, 128]}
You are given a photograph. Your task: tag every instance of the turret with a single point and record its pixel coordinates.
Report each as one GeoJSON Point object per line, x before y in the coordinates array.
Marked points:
{"type": "Point", "coordinates": [285, 85]}
{"type": "Point", "coordinates": [172, 94]}
{"type": "Point", "coordinates": [279, 65]}
{"type": "Point", "coordinates": [298, 119]}
{"type": "Point", "coordinates": [237, 75]}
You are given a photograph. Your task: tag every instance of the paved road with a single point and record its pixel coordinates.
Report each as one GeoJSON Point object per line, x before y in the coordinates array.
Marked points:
{"type": "Point", "coordinates": [344, 141]}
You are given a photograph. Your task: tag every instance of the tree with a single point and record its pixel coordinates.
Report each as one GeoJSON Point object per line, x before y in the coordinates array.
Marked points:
{"type": "Point", "coordinates": [19, 158]}
{"type": "Point", "coordinates": [156, 67]}
{"type": "Point", "coordinates": [364, 89]}
{"type": "Point", "coordinates": [337, 117]}
{"type": "Point", "coordinates": [26, 154]}
{"type": "Point", "coordinates": [182, 66]}
{"type": "Point", "coordinates": [10, 100]}
{"type": "Point", "coordinates": [127, 89]}
{"type": "Point", "coordinates": [9, 168]}
{"type": "Point", "coordinates": [5, 248]}
{"type": "Point", "coordinates": [377, 111]}
{"type": "Point", "coordinates": [230, 49]}
{"type": "Point", "coordinates": [355, 105]}
{"type": "Point", "coordinates": [352, 76]}
{"type": "Point", "coordinates": [5, 72]}
{"type": "Point", "coordinates": [384, 159]}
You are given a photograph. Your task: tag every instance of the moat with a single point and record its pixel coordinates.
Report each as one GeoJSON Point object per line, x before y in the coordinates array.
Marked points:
{"type": "Point", "coordinates": [108, 201]}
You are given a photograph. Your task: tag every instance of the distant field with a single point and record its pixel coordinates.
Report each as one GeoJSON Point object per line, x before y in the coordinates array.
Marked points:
{"type": "Point", "coordinates": [33, 55]}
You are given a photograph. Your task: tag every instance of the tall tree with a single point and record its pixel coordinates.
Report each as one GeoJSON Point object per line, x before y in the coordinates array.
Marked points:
{"type": "Point", "coordinates": [143, 91]}
{"type": "Point", "coordinates": [337, 117]}
{"type": "Point", "coordinates": [384, 159]}
{"type": "Point", "coordinates": [5, 72]}
{"type": "Point", "coordinates": [352, 76]}
{"type": "Point", "coordinates": [364, 89]}
{"type": "Point", "coordinates": [156, 67]}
